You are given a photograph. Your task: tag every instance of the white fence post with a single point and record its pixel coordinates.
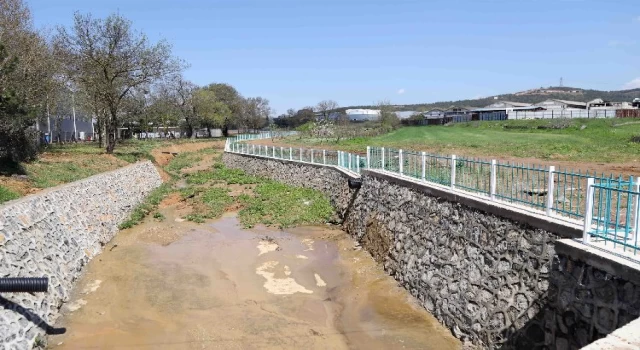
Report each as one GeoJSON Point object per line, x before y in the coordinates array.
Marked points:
{"type": "Point", "coordinates": [301, 154]}
{"type": "Point", "coordinates": [253, 148]}
{"type": "Point", "coordinates": [324, 157]}
{"type": "Point", "coordinates": [550, 185]}
{"type": "Point", "coordinates": [290, 153]}
{"type": "Point", "coordinates": [636, 209]}
{"type": "Point", "coordinates": [368, 157]}
{"type": "Point", "coordinates": [453, 171]}
{"type": "Point", "coordinates": [400, 162]}
{"type": "Point", "coordinates": [493, 183]}
{"type": "Point", "coordinates": [358, 164]}
{"type": "Point", "coordinates": [350, 156]}
{"type": "Point", "coordinates": [273, 151]}
{"type": "Point", "coordinates": [281, 152]}
{"type": "Point", "coordinates": [424, 165]}
{"type": "Point", "coordinates": [311, 155]}
{"type": "Point", "coordinates": [382, 158]}
{"type": "Point", "coordinates": [588, 211]}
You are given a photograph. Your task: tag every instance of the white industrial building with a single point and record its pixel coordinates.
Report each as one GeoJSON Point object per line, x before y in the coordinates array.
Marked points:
{"type": "Point", "coordinates": [362, 114]}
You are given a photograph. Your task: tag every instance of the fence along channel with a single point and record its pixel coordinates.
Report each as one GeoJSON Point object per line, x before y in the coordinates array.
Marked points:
{"type": "Point", "coordinates": [612, 210]}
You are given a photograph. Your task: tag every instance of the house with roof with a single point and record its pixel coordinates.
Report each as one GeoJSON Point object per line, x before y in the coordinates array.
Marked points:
{"type": "Point", "coordinates": [434, 116]}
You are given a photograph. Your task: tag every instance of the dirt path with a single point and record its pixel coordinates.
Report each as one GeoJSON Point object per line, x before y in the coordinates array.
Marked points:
{"type": "Point", "coordinates": [163, 155]}
{"type": "Point", "coordinates": [626, 169]}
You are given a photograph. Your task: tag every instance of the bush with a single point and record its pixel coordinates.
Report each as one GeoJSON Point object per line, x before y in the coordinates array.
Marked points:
{"type": "Point", "coordinates": [19, 145]}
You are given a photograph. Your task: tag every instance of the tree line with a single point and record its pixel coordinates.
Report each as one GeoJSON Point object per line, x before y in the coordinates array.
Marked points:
{"type": "Point", "coordinates": [109, 72]}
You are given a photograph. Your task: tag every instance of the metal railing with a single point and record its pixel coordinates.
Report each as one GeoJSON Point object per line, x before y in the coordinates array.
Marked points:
{"type": "Point", "coordinates": [560, 193]}
{"type": "Point", "coordinates": [345, 160]}
{"type": "Point", "coordinates": [613, 215]}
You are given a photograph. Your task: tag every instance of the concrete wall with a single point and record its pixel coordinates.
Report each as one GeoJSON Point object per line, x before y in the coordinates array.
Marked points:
{"type": "Point", "coordinates": [489, 272]}
{"type": "Point", "coordinates": [55, 233]}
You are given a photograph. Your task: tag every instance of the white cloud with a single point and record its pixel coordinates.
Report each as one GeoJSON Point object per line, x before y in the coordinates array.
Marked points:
{"type": "Point", "coordinates": [633, 84]}
{"type": "Point", "coordinates": [401, 91]}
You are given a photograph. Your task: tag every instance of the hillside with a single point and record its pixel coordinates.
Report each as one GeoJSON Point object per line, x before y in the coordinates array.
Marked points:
{"type": "Point", "coordinates": [529, 96]}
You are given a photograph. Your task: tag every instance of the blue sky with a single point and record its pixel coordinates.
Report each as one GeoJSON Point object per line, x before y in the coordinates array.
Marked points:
{"type": "Point", "coordinates": [298, 52]}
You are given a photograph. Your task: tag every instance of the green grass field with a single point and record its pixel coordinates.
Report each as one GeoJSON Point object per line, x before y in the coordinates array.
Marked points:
{"type": "Point", "coordinates": [601, 140]}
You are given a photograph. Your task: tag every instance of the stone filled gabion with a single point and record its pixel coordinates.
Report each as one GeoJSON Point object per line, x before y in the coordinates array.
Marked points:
{"type": "Point", "coordinates": [55, 233]}
{"type": "Point", "coordinates": [493, 282]}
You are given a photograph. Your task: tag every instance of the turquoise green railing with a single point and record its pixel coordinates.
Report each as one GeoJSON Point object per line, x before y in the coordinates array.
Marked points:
{"type": "Point", "coordinates": [345, 160]}
{"type": "Point", "coordinates": [613, 212]}
{"type": "Point", "coordinates": [613, 215]}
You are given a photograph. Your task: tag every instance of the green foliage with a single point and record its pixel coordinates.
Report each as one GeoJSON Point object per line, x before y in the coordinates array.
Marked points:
{"type": "Point", "coordinates": [181, 161]}
{"type": "Point", "coordinates": [211, 110]}
{"type": "Point", "coordinates": [49, 174]}
{"type": "Point", "coordinates": [197, 218]}
{"type": "Point", "coordinates": [189, 192]}
{"type": "Point", "coordinates": [220, 173]}
{"type": "Point", "coordinates": [285, 206]}
{"type": "Point", "coordinates": [17, 142]}
{"type": "Point", "coordinates": [215, 201]}
{"type": "Point", "coordinates": [7, 195]}
{"type": "Point", "coordinates": [158, 215]}
{"type": "Point", "coordinates": [148, 206]}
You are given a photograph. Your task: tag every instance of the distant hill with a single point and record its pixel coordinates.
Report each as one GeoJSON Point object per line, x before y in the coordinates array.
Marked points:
{"type": "Point", "coordinates": [529, 96]}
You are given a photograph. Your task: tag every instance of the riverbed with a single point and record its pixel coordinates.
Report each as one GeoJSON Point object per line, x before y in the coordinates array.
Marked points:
{"type": "Point", "coordinates": [180, 285]}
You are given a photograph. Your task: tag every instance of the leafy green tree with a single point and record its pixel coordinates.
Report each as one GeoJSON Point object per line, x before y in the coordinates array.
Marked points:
{"type": "Point", "coordinates": [211, 111]}
{"type": "Point", "coordinates": [229, 96]}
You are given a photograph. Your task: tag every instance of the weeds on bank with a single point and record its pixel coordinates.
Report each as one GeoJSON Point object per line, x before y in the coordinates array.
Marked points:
{"type": "Point", "coordinates": [7, 195]}
{"type": "Point", "coordinates": [284, 206]}
{"type": "Point", "coordinates": [272, 203]}
{"type": "Point", "coordinates": [211, 204]}
{"type": "Point", "coordinates": [181, 161]}
{"type": "Point", "coordinates": [221, 173]}
{"type": "Point", "coordinates": [148, 206]}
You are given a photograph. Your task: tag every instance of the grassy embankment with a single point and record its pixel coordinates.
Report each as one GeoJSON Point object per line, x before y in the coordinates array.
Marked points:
{"type": "Point", "coordinates": [70, 162]}
{"type": "Point", "coordinates": [211, 192]}
{"type": "Point", "coordinates": [580, 140]}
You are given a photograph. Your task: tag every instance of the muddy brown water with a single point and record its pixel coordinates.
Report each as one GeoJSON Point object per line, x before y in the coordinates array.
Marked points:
{"type": "Point", "coordinates": [177, 285]}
